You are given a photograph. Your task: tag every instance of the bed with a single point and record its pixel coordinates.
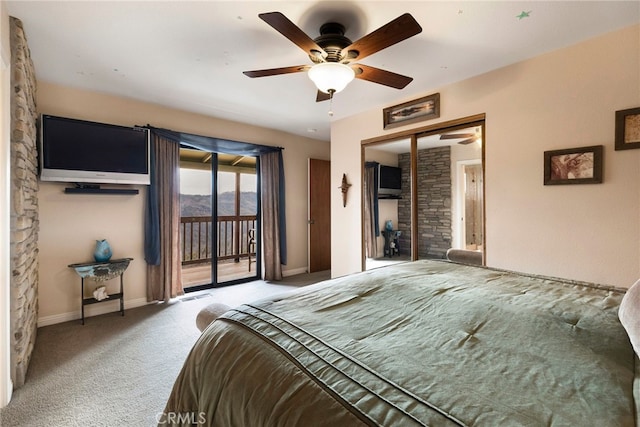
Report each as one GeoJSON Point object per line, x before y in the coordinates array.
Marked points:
{"type": "Point", "coordinates": [422, 343]}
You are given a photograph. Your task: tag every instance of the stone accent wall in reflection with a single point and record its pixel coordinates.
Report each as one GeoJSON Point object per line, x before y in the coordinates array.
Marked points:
{"type": "Point", "coordinates": [434, 202]}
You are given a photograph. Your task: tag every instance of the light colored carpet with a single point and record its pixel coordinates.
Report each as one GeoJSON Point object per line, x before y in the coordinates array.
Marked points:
{"type": "Point", "coordinates": [118, 370]}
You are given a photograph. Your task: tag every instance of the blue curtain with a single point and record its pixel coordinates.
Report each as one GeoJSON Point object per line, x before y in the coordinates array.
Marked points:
{"type": "Point", "coordinates": [213, 145]}
{"type": "Point", "coordinates": [283, 215]}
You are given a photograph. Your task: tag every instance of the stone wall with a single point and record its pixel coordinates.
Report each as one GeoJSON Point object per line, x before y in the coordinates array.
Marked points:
{"type": "Point", "coordinates": [404, 204]}
{"type": "Point", "coordinates": [24, 205]}
{"type": "Point", "coordinates": [434, 202]}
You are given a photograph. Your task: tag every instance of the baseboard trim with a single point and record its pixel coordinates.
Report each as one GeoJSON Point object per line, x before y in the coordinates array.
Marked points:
{"type": "Point", "coordinates": [104, 308]}
{"type": "Point", "coordinates": [293, 272]}
{"type": "Point", "coordinates": [93, 310]}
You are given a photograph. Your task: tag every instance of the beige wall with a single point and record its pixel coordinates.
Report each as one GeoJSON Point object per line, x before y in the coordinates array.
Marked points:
{"type": "Point", "coordinates": [70, 224]}
{"type": "Point", "coordinates": [562, 99]}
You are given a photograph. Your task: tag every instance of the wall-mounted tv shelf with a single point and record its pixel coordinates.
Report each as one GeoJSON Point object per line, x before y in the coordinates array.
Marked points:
{"type": "Point", "coordinates": [91, 190]}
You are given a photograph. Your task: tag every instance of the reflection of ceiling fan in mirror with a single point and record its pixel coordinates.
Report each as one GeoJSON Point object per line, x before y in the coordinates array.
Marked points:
{"type": "Point", "coordinates": [332, 53]}
{"type": "Point", "coordinates": [467, 138]}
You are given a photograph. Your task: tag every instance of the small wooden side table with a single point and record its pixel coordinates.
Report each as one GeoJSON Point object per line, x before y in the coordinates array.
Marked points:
{"type": "Point", "coordinates": [101, 272]}
{"type": "Point", "coordinates": [391, 242]}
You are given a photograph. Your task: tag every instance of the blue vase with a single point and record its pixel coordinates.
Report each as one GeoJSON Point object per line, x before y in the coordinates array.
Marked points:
{"type": "Point", "coordinates": [103, 251]}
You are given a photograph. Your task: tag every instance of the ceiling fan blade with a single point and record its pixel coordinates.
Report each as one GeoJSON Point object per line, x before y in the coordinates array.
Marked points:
{"type": "Point", "coordinates": [399, 29]}
{"type": "Point", "coordinates": [457, 135]}
{"type": "Point", "coordinates": [467, 141]}
{"type": "Point", "coordinates": [284, 26]}
{"type": "Point", "coordinates": [321, 96]}
{"type": "Point", "coordinates": [276, 71]}
{"type": "Point", "coordinates": [383, 77]}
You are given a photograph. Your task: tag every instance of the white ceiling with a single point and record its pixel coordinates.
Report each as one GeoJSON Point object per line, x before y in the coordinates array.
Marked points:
{"type": "Point", "coordinates": [191, 55]}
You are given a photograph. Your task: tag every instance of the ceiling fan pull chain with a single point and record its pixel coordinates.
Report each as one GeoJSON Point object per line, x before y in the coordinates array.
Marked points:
{"type": "Point", "coordinates": [331, 92]}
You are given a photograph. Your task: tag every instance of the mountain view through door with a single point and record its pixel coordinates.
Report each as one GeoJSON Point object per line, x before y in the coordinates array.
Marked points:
{"type": "Point", "coordinates": [216, 253]}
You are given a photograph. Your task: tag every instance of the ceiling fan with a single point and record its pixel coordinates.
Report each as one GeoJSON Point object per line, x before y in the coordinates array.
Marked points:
{"type": "Point", "coordinates": [332, 53]}
{"type": "Point", "coordinates": [467, 138]}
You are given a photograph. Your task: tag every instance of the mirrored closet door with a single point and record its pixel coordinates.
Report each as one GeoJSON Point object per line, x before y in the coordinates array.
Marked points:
{"type": "Point", "coordinates": [387, 203]}
{"type": "Point", "coordinates": [440, 200]}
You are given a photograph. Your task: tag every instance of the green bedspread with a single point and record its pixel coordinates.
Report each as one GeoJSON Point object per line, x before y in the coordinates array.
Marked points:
{"type": "Point", "coordinates": [422, 343]}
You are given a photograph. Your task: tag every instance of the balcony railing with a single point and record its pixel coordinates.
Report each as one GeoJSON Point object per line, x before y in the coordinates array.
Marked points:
{"type": "Point", "coordinates": [232, 242]}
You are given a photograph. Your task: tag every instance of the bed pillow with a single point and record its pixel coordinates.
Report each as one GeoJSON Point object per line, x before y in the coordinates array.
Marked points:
{"type": "Point", "coordinates": [629, 314]}
{"type": "Point", "coordinates": [464, 256]}
{"type": "Point", "coordinates": [209, 314]}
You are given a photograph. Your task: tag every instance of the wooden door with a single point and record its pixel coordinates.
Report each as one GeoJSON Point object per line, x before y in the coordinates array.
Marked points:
{"type": "Point", "coordinates": [473, 207]}
{"type": "Point", "coordinates": [319, 215]}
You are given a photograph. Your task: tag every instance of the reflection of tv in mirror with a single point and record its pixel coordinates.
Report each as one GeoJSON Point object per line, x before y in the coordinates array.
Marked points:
{"type": "Point", "coordinates": [389, 182]}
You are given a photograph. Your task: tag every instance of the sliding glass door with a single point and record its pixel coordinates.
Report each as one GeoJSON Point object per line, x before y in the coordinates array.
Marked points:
{"type": "Point", "coordinates": [237, 213]}
{"type": "Point", "coordinates": [219, 219]}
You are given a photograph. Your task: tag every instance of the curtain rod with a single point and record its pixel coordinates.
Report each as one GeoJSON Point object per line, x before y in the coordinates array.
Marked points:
{"type": "Point", "coordinates": [148, 126]}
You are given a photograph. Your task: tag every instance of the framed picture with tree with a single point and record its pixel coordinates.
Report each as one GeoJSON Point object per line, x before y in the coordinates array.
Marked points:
{"type": "Point", "coordinates": [581, 165]}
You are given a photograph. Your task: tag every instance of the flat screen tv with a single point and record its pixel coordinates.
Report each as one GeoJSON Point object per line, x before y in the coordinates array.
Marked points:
{"type": "Point", "coordinates": [389, 182]}
{"type": "Point", "coordinates": [88, 152]}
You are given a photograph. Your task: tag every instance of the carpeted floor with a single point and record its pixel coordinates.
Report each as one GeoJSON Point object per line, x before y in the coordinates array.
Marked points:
{"type": "Point", "coordinates": [118, 370]}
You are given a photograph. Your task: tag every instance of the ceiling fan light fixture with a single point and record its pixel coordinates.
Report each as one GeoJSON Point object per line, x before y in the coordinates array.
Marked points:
{"type": "Point", "coordinates": [331, 76]}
